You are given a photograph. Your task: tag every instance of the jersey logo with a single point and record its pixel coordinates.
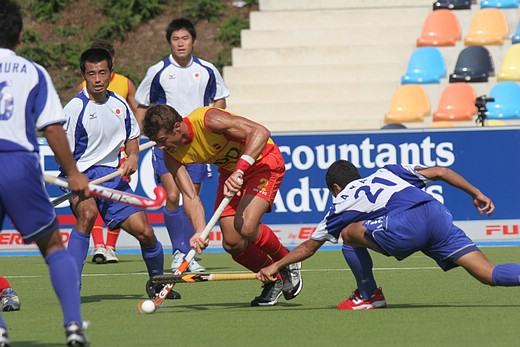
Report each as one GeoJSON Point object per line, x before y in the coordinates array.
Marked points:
{"type": "Point", "coordinates": [117, 111]}
{"type": "Point", "coordinates": [6, 102]}
{"type": "Point", "coordinates": [92, 115]}
{"type": "Point", "coordinates": [196, 74]}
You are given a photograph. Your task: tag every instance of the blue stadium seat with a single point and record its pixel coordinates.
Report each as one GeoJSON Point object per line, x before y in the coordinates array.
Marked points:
{"type": "Point", "coordinates": [452, 4]}
{"type": "Point", "coordinates": [474, 64]}
{"type": "Point", "coordinates": [426, 66]}
{"type": "Point", "coordinates": [507, 101]}
{"type": "Point", "coordinates": [516, 36]}
{"type": "Point", "coordinates": [499, 3]}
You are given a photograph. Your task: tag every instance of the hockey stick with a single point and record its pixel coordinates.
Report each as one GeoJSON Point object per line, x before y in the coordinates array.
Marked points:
{"type": "Point", "coordinates": [117, 195]}
{"type": "Point", "coordinates": [108, 177]}
{"type": "Point", "coordinates": [158, 300]}
{"type": "Point", "coordinates": [192, 278]}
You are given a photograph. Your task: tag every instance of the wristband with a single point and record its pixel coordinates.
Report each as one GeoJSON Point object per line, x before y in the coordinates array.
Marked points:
{"type": "Point", "coordinates": [244, 163]}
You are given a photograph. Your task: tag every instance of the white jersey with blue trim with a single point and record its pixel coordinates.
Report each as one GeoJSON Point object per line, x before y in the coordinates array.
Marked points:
{"type": "Point", "coordinates": [183, 88]}
{"type": "Point", "coordinates": [392, 188]}
{"type": "Point", "coordinates": [97, 131]}
{"type": "Point", "coordinates": [28, 101]}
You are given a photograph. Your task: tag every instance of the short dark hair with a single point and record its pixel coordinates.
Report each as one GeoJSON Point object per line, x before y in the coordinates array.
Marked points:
{"type": "Point", "coordinates": [95, 55]}
{"type": "Point", "coordinates": [104, 44]}
{"type": "Point", "coordinates": [159, 117]}
{"type": "Point", "coordinates": [341, 172]}
{"type": "Point", "coordinates": [178, 24]}
{"type": "Point", "coordinates": [11, 24]}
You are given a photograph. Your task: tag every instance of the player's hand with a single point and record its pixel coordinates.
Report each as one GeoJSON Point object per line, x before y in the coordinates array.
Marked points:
{"type": "Point", "coordinates": [78, 183]}
{"type": "Point", "coordinates": [233, 184]}
{"type": "Point", "coordinates": [483, 204]}
{"type": "Point", "coordinates": [129, 165]}
{"type": "Point", "coordinates": [198, 243]}
{"type": "Point", "coordinates": [267, 274]}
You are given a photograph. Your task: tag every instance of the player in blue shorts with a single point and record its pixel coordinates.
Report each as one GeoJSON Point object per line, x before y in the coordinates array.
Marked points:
{"type": "Point", "coordinates": [29, 102]}
{"type": "Point", "coordinates": [184, 82]}
{"type": "Point", "coordinates": [388, 212]}
{"type": "Point", "coordinates": [99, 122]}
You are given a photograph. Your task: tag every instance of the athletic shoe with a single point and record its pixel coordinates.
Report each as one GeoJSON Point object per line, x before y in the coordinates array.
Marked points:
{"type": "Point", "coordinates": [9, 300]}
{"type": "Point", "coordinates": [99, 255]}
{"type": "Point", "coordinates": [292, 280]}
{"type": "Point", "coordinates": [111, 255]}
{"type": "Point", "coordinates": [356, 302]}
{"type": "Point", "coordinates": [269, 295]}
{"type": "Point", "coordinates": [4, 339]}
{"type": "Point", "coordinates": [75, 335]}
{"type": "Point", "coordinates": [153, 289]}
{"type": "Point", "coordinates": [178, 258]}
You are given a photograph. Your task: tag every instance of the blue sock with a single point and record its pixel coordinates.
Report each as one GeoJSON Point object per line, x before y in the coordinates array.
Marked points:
{"type": "Point", "coordinates": [506, 275]}
{"type": "Point", "coordinates": [360, 262]}
{"type": "Point", "coordinates": [65, 280]}
{"type": "Point", "coordinates": [154, 258]}
{"type": "Point", "coordinates": [2, 322]}
{"type": "Point", "coordinates": [78, 248]}
{"type": "Point", "coordinates": [179, 228]}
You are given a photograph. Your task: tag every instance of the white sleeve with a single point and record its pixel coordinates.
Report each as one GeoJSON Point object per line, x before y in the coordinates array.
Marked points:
{"type": "Point", "coordinates": [222, 91]}
{"type": "Point", "coordinates": [142, 94]}
{"type": "Point", "coordinates": [52, 112]}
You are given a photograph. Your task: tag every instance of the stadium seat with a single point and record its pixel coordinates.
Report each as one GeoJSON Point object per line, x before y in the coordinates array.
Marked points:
{"type": "Point", "coordinates": [488, 27]}
{"type": "Point", "coordinates": [510, 69]}
{"type": "Point", "coordinates": [442, 124]}
{"type": "Point", "coordinates": [426, 66]}
{"type": "Point", "coordinates": [441, 28]}
{"type": "Point", "coordinates": [499, 3]}
{"type": "Point", "coordinates": [457, 103]}
{"type": "Point", "coordinates": [452, 5]}
{"type": "Point", "coordinates": [515, 38]}
{"type": "Point", "coordinates": [410, 103]}
{"type": "Point", "coordinates": [474, 64]}
{"type": "Point", "coordinates": [507, 101]}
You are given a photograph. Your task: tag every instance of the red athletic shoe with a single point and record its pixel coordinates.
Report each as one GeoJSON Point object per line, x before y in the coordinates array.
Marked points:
{"type": "Point", "coordinates": [356, 302]}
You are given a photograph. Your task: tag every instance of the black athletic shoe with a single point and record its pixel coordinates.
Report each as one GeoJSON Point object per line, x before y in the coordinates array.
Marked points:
{"type": "Point", "coordinates": [76, 336]}
{"type": "Point", "coordinates": [153, 289]}
{"type": "Point", "coordinates": [269, 295]}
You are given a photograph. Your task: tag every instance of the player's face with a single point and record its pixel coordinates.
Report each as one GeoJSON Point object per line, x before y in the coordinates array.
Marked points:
{"type": "Point", "coordinates": [182, 44]}
{"type": "Point", "coordinates": [169, 140]}
{"type": "Point", "coordinates": [97, 78]}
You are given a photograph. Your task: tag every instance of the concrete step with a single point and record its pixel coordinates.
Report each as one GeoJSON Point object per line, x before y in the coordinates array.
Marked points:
{"type": "Point", "coordinates": [313, 73]}
{"type": "Point", "coordinates": [314, 116]}
{"type": "Point", "coordinates": [348, 18]}
{"type": "Point", "coordinates": [326, 37]}
{"type": "Point", "coordinates": [322, 92]}
{"type": "Point", "coordinates": [341, 55]}
{"type": "Point", "coordinates": [290, 5]}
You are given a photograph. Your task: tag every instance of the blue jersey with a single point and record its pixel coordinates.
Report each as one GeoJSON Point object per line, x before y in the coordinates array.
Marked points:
{"type": "Point", "coordinates": [96, 132]}
{"type": "Point", "coordinates": [183, 88]}
{"type": "Point", "coordinates": [391, 189]}
{"type": "Point", "coordinates": [28, 101]}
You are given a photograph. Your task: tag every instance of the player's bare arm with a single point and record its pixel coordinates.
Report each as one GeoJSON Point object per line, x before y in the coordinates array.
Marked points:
{"type": "Point", "coordinates": [130, 98]}
{"type": "Point", "coordinates": [481, 201]}
{"type": "Point", "coordinates": [254, 134]}
{"type": "Point", "coordinates": [303, 251]}
{"type": "Point", "coordinates": [221, 103]}
{"type": "Point", "coordinates": [57, 140]}
{"type": "Point", "coordinates": [129, 166]}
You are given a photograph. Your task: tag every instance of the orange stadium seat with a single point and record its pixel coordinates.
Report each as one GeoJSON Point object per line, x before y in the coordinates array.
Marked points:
{"type": "Point", "coordinates": [410, 103]}
{"type": "Point", "coordinates": [510, 69]}
{"type": "Point", "coordinates": [441, 28]}
{"type": "Point", "coordinates": [457, 103]}
{"type": "Point", "coordinates": [488, 27]}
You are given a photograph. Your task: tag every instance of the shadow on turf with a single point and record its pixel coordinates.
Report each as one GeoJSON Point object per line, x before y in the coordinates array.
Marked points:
{"type": "Point", "coordinates": [108, 297]}
{"type": "Point", "coordinates": [33, 344]}
{"type": "Point", "coordinates": [168, 308]}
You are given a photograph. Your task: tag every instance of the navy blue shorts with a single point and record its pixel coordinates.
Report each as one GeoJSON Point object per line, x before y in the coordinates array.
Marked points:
{"type": "Point", "coordinates": [198, 172]}
{"type": "Point", "coordinates": [23, 197]}
{"type": "Point", "coordinates": [113, 212]}
{"type": "Point", "coordinates": [427, 228]}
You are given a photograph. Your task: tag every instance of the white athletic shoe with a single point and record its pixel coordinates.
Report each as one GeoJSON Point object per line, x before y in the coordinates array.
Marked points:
{"type": "Point", "coordinates": [99, 255]}
{"type": "Point", "coordinates": [111, 255]}
{"type": "Point", "coordinates": [177, 259]}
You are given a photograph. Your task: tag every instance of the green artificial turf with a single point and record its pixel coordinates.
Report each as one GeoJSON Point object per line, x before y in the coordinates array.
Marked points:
{"type": "Point", "coordinates": [426, 307]}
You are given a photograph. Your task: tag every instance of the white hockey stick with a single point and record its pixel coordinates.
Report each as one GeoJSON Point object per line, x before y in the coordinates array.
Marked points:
{"type": "Point", "coordinates": [108, 177]}
{"type": "Point", "coordinates": [117, 195]}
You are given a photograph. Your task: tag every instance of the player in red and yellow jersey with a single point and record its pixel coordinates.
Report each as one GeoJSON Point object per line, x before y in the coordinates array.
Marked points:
{"type": "Point", "coordinates": [251, 168]}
